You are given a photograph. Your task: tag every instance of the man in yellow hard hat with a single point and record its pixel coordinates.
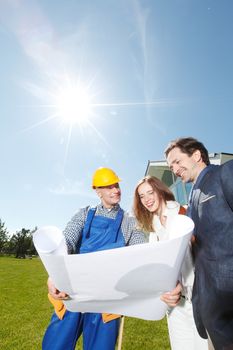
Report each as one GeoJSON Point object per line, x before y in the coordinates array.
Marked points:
{"type": "Point", "coordinates": [105, 226]}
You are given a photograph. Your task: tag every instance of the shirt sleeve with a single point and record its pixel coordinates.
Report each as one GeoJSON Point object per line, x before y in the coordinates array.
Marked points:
{"type": "Point", "coordinates": [73, 230]}
{"type": "Point", "coordinates": [131, 234]}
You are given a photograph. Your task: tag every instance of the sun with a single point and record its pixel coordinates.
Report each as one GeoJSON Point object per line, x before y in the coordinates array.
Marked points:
{"type": "Point", "coordinates": [73, 104]}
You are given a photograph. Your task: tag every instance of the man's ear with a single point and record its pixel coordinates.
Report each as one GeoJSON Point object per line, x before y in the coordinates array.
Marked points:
{"type": "Point", "coordinates": [98, 192]}
{"type": "Point", "coordinates": [197, 155]}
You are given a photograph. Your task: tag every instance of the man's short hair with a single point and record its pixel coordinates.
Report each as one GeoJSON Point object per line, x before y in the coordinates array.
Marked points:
{"type": "Point", "coordinates": [188, 145]}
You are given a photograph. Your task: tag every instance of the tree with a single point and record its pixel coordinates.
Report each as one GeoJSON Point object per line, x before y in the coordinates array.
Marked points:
{"type": "Point", "coordinates": [4, 236]}
{"type": "Point", "coordinates": [21, 243]}
{"type": "Point", "coordinates": [31, 249]}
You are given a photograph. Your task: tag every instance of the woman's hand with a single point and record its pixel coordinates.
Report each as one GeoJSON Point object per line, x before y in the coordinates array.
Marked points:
{"type": "Point", "coordinates": [172, 298]}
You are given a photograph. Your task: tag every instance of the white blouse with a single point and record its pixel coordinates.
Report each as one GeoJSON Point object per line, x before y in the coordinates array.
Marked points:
{"type": "Point", "coordinates": [162, 233]}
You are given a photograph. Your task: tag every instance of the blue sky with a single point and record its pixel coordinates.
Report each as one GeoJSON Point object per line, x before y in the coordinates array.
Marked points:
{"type": "Point", "coordinates": [151, 70]}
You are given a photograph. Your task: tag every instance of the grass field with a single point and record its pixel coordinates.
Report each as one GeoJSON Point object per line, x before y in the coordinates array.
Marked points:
{"type": "Point", "coordinates": [25, 311]}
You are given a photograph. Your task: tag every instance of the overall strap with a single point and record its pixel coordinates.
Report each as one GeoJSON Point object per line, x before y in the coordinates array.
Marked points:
{"type": "Point", "coordinates": [118, 221]}
{"type": "Point", "coordinates": [87, 226]}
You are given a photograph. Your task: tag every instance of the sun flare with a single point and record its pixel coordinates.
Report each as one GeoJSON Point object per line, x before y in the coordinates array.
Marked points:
{"type": "Point", "coordinates": [73, 105]}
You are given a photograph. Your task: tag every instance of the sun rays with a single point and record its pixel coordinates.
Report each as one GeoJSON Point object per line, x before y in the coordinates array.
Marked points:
{"type": "Point", "coordinates": [71, 103]}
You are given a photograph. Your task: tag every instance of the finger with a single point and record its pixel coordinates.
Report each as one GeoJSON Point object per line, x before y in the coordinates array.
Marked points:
{"type": "Point", "coordinates": [170, 299]}
{"type": "Point", "coordinates": [62, 295]}
{"type": "Point", "coordinates": [176, 290]}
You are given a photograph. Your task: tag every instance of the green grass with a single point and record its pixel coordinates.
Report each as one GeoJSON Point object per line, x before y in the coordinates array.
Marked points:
{"type": "Point", "coordinates": [25, 311]}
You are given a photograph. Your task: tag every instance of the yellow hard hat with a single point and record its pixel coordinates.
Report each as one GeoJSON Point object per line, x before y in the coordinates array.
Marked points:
{"type": "Point", "coordinates": [104, 177]}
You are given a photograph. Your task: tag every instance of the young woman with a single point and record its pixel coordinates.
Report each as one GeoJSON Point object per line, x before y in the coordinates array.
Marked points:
{"type": "Point", "coordinates": [154, 208]}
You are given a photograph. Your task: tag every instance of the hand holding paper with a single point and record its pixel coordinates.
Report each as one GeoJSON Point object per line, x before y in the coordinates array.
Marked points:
{"type": "Point", "coordinates": [127, 281]}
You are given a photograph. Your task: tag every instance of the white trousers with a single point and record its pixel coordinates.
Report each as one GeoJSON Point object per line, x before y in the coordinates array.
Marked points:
{"type": "Point", "coordinates": [182, 330]}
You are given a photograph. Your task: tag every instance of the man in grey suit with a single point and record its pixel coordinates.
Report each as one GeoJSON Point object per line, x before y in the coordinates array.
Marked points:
{"type": "Point", "coordinates": [211, 208]}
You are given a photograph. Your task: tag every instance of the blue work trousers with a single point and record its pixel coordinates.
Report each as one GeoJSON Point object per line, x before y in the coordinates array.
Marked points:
{"type": "Point", "coordinates": [65, 333]}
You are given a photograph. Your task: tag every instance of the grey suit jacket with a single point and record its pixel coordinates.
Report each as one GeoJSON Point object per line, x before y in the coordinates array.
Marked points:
{"type": "Point", "coordinates": [212, 212]}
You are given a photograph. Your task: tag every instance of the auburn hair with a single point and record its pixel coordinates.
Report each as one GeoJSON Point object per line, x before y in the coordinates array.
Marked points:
{"type": "Point", "coordinates": [145, 217]}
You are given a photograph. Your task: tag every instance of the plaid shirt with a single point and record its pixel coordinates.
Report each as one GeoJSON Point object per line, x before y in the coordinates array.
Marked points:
{"type": "Point", "coordinates": [75, 226]}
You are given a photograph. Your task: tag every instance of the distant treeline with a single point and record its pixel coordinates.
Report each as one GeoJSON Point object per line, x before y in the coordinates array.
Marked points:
{"type": "Point", "coordinates": [20, 244]}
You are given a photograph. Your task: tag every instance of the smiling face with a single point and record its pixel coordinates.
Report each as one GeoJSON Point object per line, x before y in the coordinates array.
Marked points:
{"type": "Point", "coordinates": [109, 195]}
{"type": "Point", "coordinates": [184, 166]}
{"type": "Point", "coordinates": [149, 197]}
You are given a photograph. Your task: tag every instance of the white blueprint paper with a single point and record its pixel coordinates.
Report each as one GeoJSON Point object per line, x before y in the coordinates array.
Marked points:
{"type": "Point", "coordinates": [126, 281]}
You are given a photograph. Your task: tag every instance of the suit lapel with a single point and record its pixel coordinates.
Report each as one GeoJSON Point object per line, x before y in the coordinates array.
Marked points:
{"type": "Point", "coordinates": [196, 196]}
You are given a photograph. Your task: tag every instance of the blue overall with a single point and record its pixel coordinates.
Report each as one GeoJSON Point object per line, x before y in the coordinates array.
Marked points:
{"type": "Point", "coordinates": [99, 233]}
